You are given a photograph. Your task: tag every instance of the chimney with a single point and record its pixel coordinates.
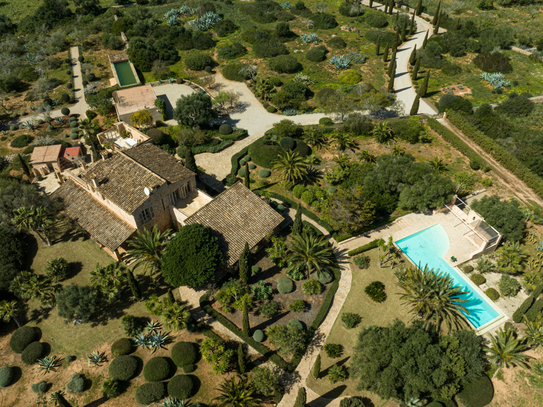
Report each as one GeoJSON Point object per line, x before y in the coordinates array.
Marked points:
{"type": "Point", "coordinates": [95, 183]}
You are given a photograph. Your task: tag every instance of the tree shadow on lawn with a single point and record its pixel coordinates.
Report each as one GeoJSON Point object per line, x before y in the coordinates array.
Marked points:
{"type": "Point", "coordinates": [324, 373]}
{"type": "Point", "coordinates": [328, 397]}
{"type": "Point", "coordinates": [262, 326]}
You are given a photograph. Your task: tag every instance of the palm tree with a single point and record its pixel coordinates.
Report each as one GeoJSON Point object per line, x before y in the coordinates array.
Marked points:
{"type": "Point", "coordinates": [344, 141]}
{"type": "Point", "coordinates": [315, 138]}
{"type": "Point", "coordinates": [506, 350]}
{"type": "Point", "coordinates": [382, 133]}
{"type": "Point", "coordinates": [510, 258]}
{"type": "Point", "coordinates": [9, 310]}
{"type": "Point", "coordinates": [484, 265]}
{"type": "Point", "coordinates": [433, 297]}
{"type": "Point", "coordinates": [534, 330]}
{"type": "Point", "coordinates": [437, 164]}
{"type": "Point", "coordinates": [366, 156]}
{"type": "Point", "coordinates": [148, 248]}
{"type": "Point", "coordinates": [234, 393]}
{"type": "Point", "coordinates": [109, 280]}
{"type": "Point", "coordinates": [263, 89]}
{"type": "Point", "coordinates": [27, 286]}
{"type": "Point", "coordinates": [342, 160]}
{"type": "Point", "coordinates": [174, 315]}
{"type": "Point", "coordinates": [310, 252]}
{"type": "Point", "coordinates": [291, 166]}
{"type": "Point", "coordinates": [34, 219]}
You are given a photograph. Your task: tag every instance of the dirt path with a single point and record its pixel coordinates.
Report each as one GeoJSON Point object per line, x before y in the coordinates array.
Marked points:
{"type": "Point", "coordinates": [507, 178]}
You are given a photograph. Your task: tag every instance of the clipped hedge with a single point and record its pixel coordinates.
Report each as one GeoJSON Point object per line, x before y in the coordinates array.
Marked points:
{"type": "Point", "coordinates": [492, 294]}
{"type": "Point", "coordinates": [499, 152]}
{"type": "Point", "coordinates": [156, 369]}
{"type": "Point", "coordinates": [478, 279]}
{"type": "Point", "coordinates": [21, 338]}
{"type": "Point", "coordinates": [285, 285]}
{"type": "Point", "coordinates": [121, 346]}
{"type": "Point", "coordinates": [6, 376]}
{"type": "Point", "coordinates": [184, 353]}
{"type": "Point", "coordinates": [234, 161]}
{"type": "Point", "coordinates": [534, 310]}
{"type": "Point", "coordinates": [123, 368]}
{"type": "Point", "coordinates": [524, 307]}
{"type": "Point", "coordinates": [477, 393]}
{"type": "Point", "coordinates": [258, 335]}
{"type": "Point", "coordinates": [264, 173]}
{"type": "Point", "coordinates": [33, 352]}
{"type": "Point", "coordinates": [148, 393]}
{"type": "Point", "coordinates": [180, 387]}
{"type": "Point", "coordinates": [368, 246]}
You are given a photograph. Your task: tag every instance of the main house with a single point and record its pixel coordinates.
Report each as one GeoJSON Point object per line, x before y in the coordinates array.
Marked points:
{"type": "Point", "coordinates": [140, 187]}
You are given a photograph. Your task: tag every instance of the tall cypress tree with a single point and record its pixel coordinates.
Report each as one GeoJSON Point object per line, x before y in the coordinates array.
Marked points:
{"type": "Point", "coordinates": [391, 80]}
{"type": "Point", "coordinates": [418, 11]}
{"type": "Point", "coordinates": [241, 359]}
{"type": "Point", "coordinates": [133, 284]}
{"type": "Point", "coordinates": [415, 108]}
{"type": "Point", "coordinates": [371, 3]}
{"type": "Point", "coordinates": [385, 54]}
{"type": "Point", "coordinates": [412, 26]}
{"type": "Point", "coordinates": [436, 15]}
{"type": "Point", "coordinates": [378, 46]}
{"type": "Point", "coordinates": [392, 62]}
{"type": "Point", "coordinates": [298, 226]}
{"type": "Point", "coordinates": [247, 177]}
{"type": "Point", "coordinates": [424, 87]}
{"type": "Point", "coordinates": [391, 7]}
{"type": "Point", "coordinates": [386, 7]}
{"type": "Point", "coordinates": [413, 56]}
{"type": "Point", "coordinates": [190, 162]}
{"type": "Point", "coordinates": [395, 42]}
{"type": "Point", "coordinates": [425, 40]}
{"type": "Point", "coordinates": [301, 398]}
{"type": "Point", "coordinates": [243, 264]}
{"type": "Point", "coordinates": [404, 29]}
{"type": "Point", "coordinates": [415, 72]}
{"type": "Point", "coordinates": [457, 26]}
{"type": "Point", "coordinates": [24, 165]}
{"type": "Point", "coordinates": [246, 327]}
{"type": "Point", "coordinates": [316, 371]}
{"type": "Point", "coordinates": [438, 23]}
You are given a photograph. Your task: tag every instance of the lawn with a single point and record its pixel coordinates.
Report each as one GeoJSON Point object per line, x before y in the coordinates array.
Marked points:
{"type": "Point", "coordinates": [372, 313]}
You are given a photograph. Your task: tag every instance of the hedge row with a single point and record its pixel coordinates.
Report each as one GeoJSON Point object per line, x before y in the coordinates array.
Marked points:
{"type": "Point", "coordinates": [374, 225]}
{"type": "Point", "coordinates": [500, 153]}
{"type": "Point", "coordinates": [72, 74]}
{"type": "Point", "coordinates": [236, 135]}
{"type": "Point", "coordinates": [368, 246]}
{"type": "Point", "coordinates": [212, 149]}
{"type": "Point", "coordinates": [235, 160]}
{"type": "Point", "coordinates": [455, 141]}
{"type": "Point", "coordinates": [527, 304]}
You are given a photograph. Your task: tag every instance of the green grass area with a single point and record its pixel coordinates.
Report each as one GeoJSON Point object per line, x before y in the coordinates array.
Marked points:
{"type": "Point", "coordinates": [372, 313]}
{"type": "Point", "coordinates": [19, 9]}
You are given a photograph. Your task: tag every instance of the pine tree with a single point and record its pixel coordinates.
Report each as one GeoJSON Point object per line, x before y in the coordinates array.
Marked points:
{"type": "Point", "coordinates": [243, 264]}
{"type": "Point", "coordinates": [415, 108]}
{"type": "Point", "coordinates": [241, 359]}
{"type": "Point", "coordinates": [436, 15]}
{"type": "Point", "coordinates": [317, 367]}
{"type": "Point", "coordinates": [385, 54]}
{"type": "Point", "coordinates": [436, 28]}
{"type": "Point", "coordinates": [378, 46]}
{"type": "Point", "coordinates": [391, 80]}
{"type": "Point", "coordinates": [246, 327]}
{"type": "Point", "coordinates": [413, 56]}
{"type": "Point", "coordinates": [190, 162]}
{"type": "Point", "coordinates": [418, 11]}
{"type": "Point", "coordinates": [404, 28]}
{"type": "Point", "coordinates": [24, 165]}
{"type": "Point", "coordinates": [415, 72]}
{"type": "Point", "coordinates": [425, 40]}
{"type": "Point", "coordinates": [247, 178]}
{"type": "Point", "coordinates": [133, 284]}
{"type": "Point", "coordinates": [301, 398]}
{"type": "Point", "coordinates": [412, 27]}
{"type": "Point", "coordinates": [424, 88]}
{"type": "Point", "coordinates": [298, 226]}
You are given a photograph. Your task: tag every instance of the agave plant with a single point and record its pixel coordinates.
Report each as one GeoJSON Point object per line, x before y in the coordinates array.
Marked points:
{"type": "Point", "coordinates": [207, 21]}
{"type": "Point", "coordinates": [152, 327]}
{"type": "Point", "coordinates": [157, 341]}
{"type": "Point", "coordinates": [41, 402]}
{"type": "Point", "coordinates": [30, 125]}
{"type": "Point", "coordinates": [47, 364]}
{"type": "Point", "coordinates": [59, 120]}
{"type": "Point", "coordinates": [56, 397]}
{"type": "Point", "coordinates": [95, 359]}
{"type": "Point", "coordinates": [173, 402]}
{"type": "Point", "coordinates": [496, 80]}
{"type": "Point", "coordinates": [307, 38]}
{"type": "Point", "coordinates": [341, 62]}
{"type": "Point", "coordinates": [142, 340]}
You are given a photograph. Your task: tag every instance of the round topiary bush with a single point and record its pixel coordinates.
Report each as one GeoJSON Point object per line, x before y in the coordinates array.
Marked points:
{"type": "Point", "coordinates": [40, 387]}
{"type": "Point", "coordinates": [6, 375]}
{"type": "Point", "coordinates": [184, 353]}
{"type": "Point", "coordinates": [287, 143]}
{"type": "Point", "coordinates": [241, 172]}
{"type": "Point", "coordinates": [492, 294]}
{"type": "Point", "coordinates": [467, 269]}
{"type": "Point", "coordinates": [225, 129]}
{"type": "Point", "coordinates": [255, 270]}
{"type": "Point", "coordinates": [156, 369]}
{"type": "Point", "coordinates": [74, 123]}
{"type": "Point", "coordinates": [50, 127]}
{"type": "Point", "coordinates": [69, 86]}
{"type": "Point", "coordinates": [325, 277]}
{"type": "Point", "coordinates": [337, 43]}
{"type": "Point", "coordinates": [295, 323]}
{"type": "Point", "coordinates": [284, 64]}
{"type": "Point", "coordinates": [70, 358]}
{"type": "Point", "coordinates": [13, 127]}
{"type": "Point", "coordinates": [65, 111]}
{"type": "Point", "coordinates": [246, 158]}
{"type": "Point", "coordinates": [376, 20]}
{"type": "Point", "coordinates": [258, 335]}
{"type": "Point", "coordinates": [123, 367]}
{"type": "Point", "coordinates": [76, 384]}
{"type": "Point", "coordinates": [264, 173]}
{"type": "Point", "coordinates": [21, 338]}
{"type": "Point", "coordinates": [326, 121]}
{"type": "Point", "coordinates": [477, 393]}
{"type": "Point", "coordinates": [33, 352]}
{"type": "Point", "coordinates": [189, 368]}
{"type": "Point", "coordinates": [478, 279]}
{"type": "Point", "coordinates": [180, 387]}
{"type": "Point", "coordinates": [242, 163]}
{"type": "Point", "coordinates": [252, 166]}
{"type": "Point", "coordinates": [120, 347]}
{"type": "Point", "coordinates": [148, 393]}
{"type": "Point", "coordinates": [285, 285]}
{"type": "Point", "coordinates": [73, 118]}
{"type": "Point", "coordinates": [74, 136]}
{"type": "Point", "coordinates": [349, 77]}
{"type": "Point", "coordinates": [271, 109]}
{"type": "Point", "coordinates": [74, 131]}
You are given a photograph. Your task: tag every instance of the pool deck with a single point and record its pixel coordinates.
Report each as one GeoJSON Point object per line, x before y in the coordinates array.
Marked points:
{"type": "Point", "coordinates": [459, 246]}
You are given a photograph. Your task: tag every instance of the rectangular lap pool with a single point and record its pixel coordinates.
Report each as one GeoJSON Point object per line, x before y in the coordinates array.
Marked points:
{"type": "Point", "coordinates": [125, 74]}
{"type": "Point", "coordinates": [428, 247]}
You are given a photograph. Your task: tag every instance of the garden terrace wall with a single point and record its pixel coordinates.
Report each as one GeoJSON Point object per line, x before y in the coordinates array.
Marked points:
{"type": "Point", "coordinates": [374, 225]}
{"type": "Point", "coordinates": [500, 153]}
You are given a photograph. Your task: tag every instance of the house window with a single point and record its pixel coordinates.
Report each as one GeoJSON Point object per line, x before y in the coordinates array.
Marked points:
{"type": "Point", "coordinates": [146, 215]}
{"type": "Point", "coordinates": [174, 197]}
{"type": "Point", "coordinates": [185, 189]}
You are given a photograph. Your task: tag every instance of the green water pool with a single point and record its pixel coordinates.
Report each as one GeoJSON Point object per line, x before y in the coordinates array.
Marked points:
{"type": "Point", "coordinates": [125, 74]}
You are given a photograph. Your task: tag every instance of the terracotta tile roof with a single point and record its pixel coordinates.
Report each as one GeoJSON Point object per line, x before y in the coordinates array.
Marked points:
{"type": "Point", "coordinates": [102, 224]}
{"type": "Point", "coordinates": [45, 154]}
{"type": "Point", "coordinates": [71, 152]}
{"type": "Point", "coordinates": [237, 216]}
{"type": "Point", "coordinates": [122, 181]}
{"type": "Point", "coordinates": [160, 162]}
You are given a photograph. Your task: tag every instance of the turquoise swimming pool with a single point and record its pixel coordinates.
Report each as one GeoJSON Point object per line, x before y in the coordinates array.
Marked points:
{"type": "Point", "coordinates": [428, 247]}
